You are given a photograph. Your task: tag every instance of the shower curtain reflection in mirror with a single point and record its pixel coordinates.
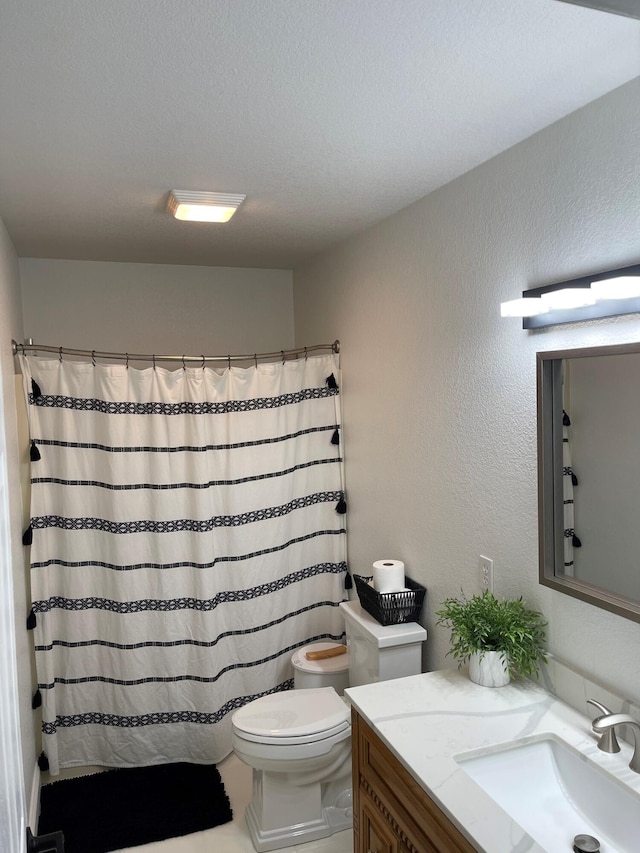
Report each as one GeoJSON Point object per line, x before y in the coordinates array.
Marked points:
{"type": "Point", "coordinates": [185, 540]}
{"type": "Point", "coordinates": [605, 414]}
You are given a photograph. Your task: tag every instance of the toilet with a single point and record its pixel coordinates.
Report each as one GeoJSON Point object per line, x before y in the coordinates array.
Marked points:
{"type": "Point", "coordinates": [328, 672]}
{"type": "Point", "coordinates": [298, 742]}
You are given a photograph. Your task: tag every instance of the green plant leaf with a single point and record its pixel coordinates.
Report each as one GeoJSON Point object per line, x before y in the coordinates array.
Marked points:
{"type": "Point", "coordinates": [484, 623]}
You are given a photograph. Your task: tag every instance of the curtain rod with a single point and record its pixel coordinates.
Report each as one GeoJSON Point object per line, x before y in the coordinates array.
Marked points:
{"type": "Point", "coordinates": [184, 359]}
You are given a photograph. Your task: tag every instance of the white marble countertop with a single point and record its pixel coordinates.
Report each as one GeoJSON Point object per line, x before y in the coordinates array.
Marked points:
{"type": "Point", "coordinates": [427, 720]}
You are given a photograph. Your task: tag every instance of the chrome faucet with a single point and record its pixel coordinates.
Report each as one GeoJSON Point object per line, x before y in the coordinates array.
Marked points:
{"type": "Point", "coordinates": [605, 724]}
{"type": "Point", "coordinates": [608, 741]}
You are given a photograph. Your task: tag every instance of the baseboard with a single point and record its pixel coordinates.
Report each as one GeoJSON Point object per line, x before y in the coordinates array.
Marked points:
{"type": "Point", "coordinates": [34, 802]}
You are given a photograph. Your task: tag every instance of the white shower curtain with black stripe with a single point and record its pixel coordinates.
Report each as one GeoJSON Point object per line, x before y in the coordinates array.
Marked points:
{"type": "Point", "coordinates": [187, 534]}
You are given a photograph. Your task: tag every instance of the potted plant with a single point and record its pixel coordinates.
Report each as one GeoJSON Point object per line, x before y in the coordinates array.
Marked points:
{"type": "Point", "coordinates": [500, 639]}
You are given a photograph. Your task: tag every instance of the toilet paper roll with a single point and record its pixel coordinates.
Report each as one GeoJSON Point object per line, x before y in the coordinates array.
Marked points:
{"type": "Point", "coordinates": [388, 575]}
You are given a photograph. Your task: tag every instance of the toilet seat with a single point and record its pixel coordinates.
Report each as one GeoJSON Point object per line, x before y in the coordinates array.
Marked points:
{"type": "Point", "coordinates": [283, 740]}
{"type": "Point", "coordinates": [293, 717]}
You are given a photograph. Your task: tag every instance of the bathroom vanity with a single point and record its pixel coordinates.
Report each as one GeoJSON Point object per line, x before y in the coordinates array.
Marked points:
{"type": "Point", "coordinates": [391, 812]}
{"type": "Point", "coordinates": [427, 750]}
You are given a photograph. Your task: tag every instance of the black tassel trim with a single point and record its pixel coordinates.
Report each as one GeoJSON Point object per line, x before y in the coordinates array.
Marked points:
{"type": "Point", "coordinates": [43, 762]}
{"type": "Point", "coordinates": [36, 702]}
{"type": "Point", "coordinates": [335, 438]}
{"type": "Point", "coordinates": [341, 506]}
{"type": "Point", "coordinates": [331, 382]}
{"type": "Point", "coordinates": [37, 393]}
{"type": "Point", "coordinates": [565, 419]}
{"type": "Point", "coordinates": [574, 479]}
{"type": "Point", "coordinates": [31, 620]}
{"type": "Point", "coordinates": [576, 542]}
{"type": "Point", "coordinates": [34, 453]}
{"type": "Point", "coordinates": [27, 536]}
{"type": "Point", "coordinates": [348, 581]}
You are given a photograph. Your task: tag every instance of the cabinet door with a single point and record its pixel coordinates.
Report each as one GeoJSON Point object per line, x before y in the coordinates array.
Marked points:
{"type": "Point", "coordinates": [376, 836]}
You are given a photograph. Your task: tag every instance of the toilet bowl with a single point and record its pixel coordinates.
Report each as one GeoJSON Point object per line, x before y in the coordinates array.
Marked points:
{"type": "Point", "coordinates": [298, 742]}
{"type": "Point", "coordinates": [299, 746]}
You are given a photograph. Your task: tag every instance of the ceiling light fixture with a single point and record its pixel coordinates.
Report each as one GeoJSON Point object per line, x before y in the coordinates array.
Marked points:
{"type": "Point", "coordinates": [606, 294]}
{"type": "Point", "coordinates": [203, 206]}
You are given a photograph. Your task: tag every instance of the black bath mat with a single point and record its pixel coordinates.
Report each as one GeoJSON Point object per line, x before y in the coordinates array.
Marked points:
{"type": "Point", "coordinates": [124, 808]}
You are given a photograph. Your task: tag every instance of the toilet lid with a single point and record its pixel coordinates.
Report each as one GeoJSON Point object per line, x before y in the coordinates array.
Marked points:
{"type": "Point", "coordinates": [293, 714]}
{"type": "Point", "coordinates": [339, 663]}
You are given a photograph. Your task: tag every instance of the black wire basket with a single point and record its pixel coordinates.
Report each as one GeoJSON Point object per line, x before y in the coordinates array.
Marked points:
{"type": "Point", "coordinates": [391, 608]}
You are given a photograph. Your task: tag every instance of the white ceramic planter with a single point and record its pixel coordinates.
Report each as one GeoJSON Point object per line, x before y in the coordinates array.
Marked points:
{"type": "Point", "coordinates": [489, 669]}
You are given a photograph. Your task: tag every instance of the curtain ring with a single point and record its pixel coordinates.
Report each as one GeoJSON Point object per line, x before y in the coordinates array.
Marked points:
{"type": "Point", "coordinates": [93, 357]}
{"type": "Point", "coordinates": [255, 358]}
{"type": "Point", "coordinates": [184, 367]}
{"type": "Point", "coordinates": [282, 354]}
{"type": "Point", "coordinates": [60, 355]}
{"type": "Point", "coordinates": [154, 361]}
{"type": "Point", "coordinates": [203, 362]}
{"type": "Point", "coordinates": [127, 361]}
{"type": "Point", "coordinates": [229, 361]}
{"type": "Point", "coordinates": [306, 354]}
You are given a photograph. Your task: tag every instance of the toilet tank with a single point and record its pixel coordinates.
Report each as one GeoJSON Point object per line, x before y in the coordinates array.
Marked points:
{"type": "Point", "coordinates": [380, 652]}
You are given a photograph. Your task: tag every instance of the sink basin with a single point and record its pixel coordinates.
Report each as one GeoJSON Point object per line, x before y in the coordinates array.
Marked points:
{"type": "Point", "coordinates": [554, 793]}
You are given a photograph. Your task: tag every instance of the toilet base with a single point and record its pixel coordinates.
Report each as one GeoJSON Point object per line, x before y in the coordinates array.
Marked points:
{"type": "Point", "coordinates": [317, 811]}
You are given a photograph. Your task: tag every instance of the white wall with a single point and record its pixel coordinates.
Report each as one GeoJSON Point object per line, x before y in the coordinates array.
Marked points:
{"type": "Point", "coordinates": [16, 679]}
{"type": "Point", "coordinates": [156, 308]}
{"type": "Point", "coordinates": [439, 391]}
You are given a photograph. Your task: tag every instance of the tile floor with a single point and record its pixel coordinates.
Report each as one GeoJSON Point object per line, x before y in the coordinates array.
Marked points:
{"type": "Point", "coordinates": [233, 837]}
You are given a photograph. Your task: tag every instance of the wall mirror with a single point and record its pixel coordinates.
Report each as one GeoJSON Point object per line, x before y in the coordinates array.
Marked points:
{"type": "Point", "coordinates": [589, 475]}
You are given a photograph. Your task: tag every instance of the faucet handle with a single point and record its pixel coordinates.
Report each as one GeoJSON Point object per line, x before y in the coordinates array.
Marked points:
{"type": "Point", "coordinates": [608, 741]}
{"type": "Point", "coordinates": [602, 708]}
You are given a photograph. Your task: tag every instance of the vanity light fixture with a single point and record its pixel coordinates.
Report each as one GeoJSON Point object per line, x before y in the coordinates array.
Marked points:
{"type": "Point", "coordinates": [606, 294]}
{"type": "Point", "coordinates": [568, 297]}
{"type": "Point", "coordinates": [523, 308]}
{"type": "Point", "coordinates": [629, 8]}
{"type": "Point", "coordinates": [622, 287]}
{"type": "Point", "coordinates": [203, 206]}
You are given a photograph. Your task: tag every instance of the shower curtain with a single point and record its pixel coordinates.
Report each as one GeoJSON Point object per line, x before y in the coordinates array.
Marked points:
{"type": "Point", "coordinates": [187, 534]}
{"type": "Point", "coordinates": [568, 505]}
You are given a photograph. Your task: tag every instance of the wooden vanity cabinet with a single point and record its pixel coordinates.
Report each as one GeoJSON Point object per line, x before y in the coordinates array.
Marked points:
{"type": "Point", "coordinates": [391, 812]}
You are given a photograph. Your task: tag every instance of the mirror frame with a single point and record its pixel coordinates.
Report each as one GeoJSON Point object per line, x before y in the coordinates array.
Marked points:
{"type": "Point", "coordinates": [550, 496]}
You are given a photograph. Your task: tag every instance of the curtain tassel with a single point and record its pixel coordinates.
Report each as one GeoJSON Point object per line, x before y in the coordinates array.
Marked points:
{"type": "Point", "coordinates": [43, 762]}
{"type": "Point", "coordinates": [576, 542]}
{"type": "Point", "coordinates": [574, 479]}
{"type": "Point", "coordinates": [341, 506]}
{"type": "Point", "coordinates": [36, 702]}
{"type": "Point", "coordinates": [331, 382]}
{"type": "Point", "coordinates": [565, 419]}
{"type": "Point", "coordinates": [27, 536]}
{"type": "Point", "coordinates": [34, 453]}
{"type": "Point", "coordinates": [335, 438]}
{"type": "Point", "coordinates": [348, 581]}
{"type": "Point", "coordinates": [31, 620]}
{"type": "Point", "coordinates": [35, 388]}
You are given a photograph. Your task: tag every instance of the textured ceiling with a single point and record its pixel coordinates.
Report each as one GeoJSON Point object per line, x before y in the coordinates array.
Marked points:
{"type": "Point", "coordinates": [329, 114]}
